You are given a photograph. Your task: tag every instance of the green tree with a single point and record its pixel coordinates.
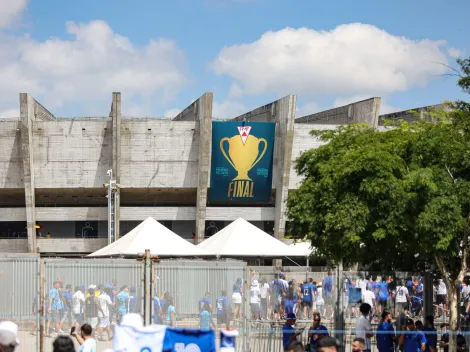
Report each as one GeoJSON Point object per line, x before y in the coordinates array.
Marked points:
{"type": "Point", "coordinates": [397, 199]}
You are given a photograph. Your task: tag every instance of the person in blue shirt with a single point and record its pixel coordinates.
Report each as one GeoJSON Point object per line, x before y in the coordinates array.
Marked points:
{"type": "Point", "coordinates": [131, 300]}
{"type": "Point", "coordinates": [288, 332]}
{"type": "Point", "coordinates": [316, 332]}
{"type": "Point", "coordinates": [157, 311]}
{"type": "Point", "coordinates": [308, 290]}
{"type": "Point", "coordinates": [290, 301]}
{"type": "Point", "coordinates": [386, 338]}
{"type": "Point", "coordinates": [383, 294]}
{"type": "Point", "coordinates": [431, 334]}
{"type": "Point", "coordinates": [121, 300]}
{"type": "Point", "coordinates": [205, 300]}
{"type": "Point", "coordinates": [328, 294]}
{"type": "Point", "coordinates": [413, 340]}
{"type": "Point", "coordinates": [67, 303]}
{"type": "Point", "coordinates": [222, 309]}
{"type": "Point", "coordinates": [205, 318]}
{"type": "Point", "coordinates": [54, 308]}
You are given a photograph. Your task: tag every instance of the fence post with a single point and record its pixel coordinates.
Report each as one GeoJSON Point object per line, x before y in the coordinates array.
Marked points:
{"type": "Point", "coordinates": [339, 311]}
{"type": "Point", "coordinates": [41, 305]}
{"type": "Point", "coordinates": [428, 294]}
{"type": "Point", "coordinates": [246, 310]}
{"type": "Point", "coordinates": [147, 283]}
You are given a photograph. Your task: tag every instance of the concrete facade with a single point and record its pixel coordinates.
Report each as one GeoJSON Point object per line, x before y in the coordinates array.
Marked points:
{"type": "Point", "coordinates": [52, 171]}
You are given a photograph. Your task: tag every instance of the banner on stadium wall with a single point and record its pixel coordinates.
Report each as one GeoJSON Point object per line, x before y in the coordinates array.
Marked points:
{"type": "Point", "coordinates": [242, 161]}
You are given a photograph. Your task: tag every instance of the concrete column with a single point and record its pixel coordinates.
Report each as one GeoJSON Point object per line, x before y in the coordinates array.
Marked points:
{"type": "Point", "coordinates": [115, 114]}
{"type": "Point", "coordinates": [27, 116]}
{"type": "Point", "coordinates": [285, 116]}
{"type": "Point", "coordinates": [201, 111]}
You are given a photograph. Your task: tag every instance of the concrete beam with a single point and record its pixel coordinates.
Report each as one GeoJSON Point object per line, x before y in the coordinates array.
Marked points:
{"type": "Point", "coordinates": [201, 112]}
{"type": "Point", "coordinates": [282, 112]}
{"type": "Point", "coordinates": [27, 108]}
{"type": "Point", "coordinates": [115, 114]}
{"type": "Point", "coordinates": [412, 115]}
{"type": "Point", "coordinates": [366, 111]}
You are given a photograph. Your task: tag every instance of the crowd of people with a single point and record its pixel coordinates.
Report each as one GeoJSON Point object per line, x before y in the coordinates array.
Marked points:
{"type": "Point", "coordinates": [99, 306]}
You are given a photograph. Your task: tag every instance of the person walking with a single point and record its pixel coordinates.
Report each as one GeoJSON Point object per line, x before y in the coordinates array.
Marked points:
{"type": "Point", "coordinates": [205, 318]}
{"type": "Point", "coordinates": [170, 312]}
{"type": "Point", "coordinates": [104, 304]}
{"type": "Point", "coordinates": [91, 309]}
{"type": "Point", "coordinates": [363, 326]}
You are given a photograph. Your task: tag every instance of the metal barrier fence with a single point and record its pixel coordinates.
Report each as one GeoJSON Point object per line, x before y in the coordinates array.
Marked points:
{"type": "Point", "coordinates": [19, 285]}
{"type": "Point", "coordinates": [25, 280]}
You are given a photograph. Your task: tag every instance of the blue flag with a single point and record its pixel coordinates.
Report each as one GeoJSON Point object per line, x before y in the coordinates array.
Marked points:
{"type": "Point", "coordinates": [189, 340]}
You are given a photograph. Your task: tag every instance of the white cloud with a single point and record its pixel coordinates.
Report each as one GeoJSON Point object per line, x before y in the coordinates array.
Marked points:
{"type": "Point", "coordinates": [387, 109]}
{"type": "Point", "coordinates": [350, 59]}
{"type": "Point", "coordinates": [87, 68]}
{"type": "Point", "coordinates": [228, 109]}
{"type": "Point", "coordinates": [454, 53]}
{"type": "Point", "coordinates": [10, 10]}
{"type": "Point", "coordinates": [172, 112]}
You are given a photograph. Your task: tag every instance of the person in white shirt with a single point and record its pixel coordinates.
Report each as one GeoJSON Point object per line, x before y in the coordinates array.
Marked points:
{"type": "Point", "coordinates": [369, 298]}
{"type": "Point", "coordinates": [402, 299]}
{"type": "Point", "coordinates": [363, 326]}
{"type": "Point", "coordinates": [255, 300]}
{"type": "Point", "coordinates": [87, 343]}
{"type": "Point", "coordinates": [264, 294]}
{"type": "Point", "coordinates": [361, 283]}
{"type": "Point", "coordinates": [441, 297]}
{"type": "Point", "coordinates": [104, 303]}
{"type": "Point", "coordinates": [78, 300]}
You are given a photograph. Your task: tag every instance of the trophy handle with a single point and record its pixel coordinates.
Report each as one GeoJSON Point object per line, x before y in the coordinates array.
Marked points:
{"type": "Point", "coordinates": [262, 153]}
{"type": "Point", "coordinates": [223, 151]}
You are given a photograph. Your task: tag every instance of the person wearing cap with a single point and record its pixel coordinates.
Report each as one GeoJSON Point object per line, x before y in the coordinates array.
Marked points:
{"type": "Point", "coordinates": [8, 336]}
{"type": "Point", "coordinates": [78, 301]}
{"type": "Point", "coordinates": [121, 300]}
{"type": "Point", "coordinates": [289, 333]}
{"type": "Point", "coordinates": [55, 304]}
{"type": "Point", "coordinates": [255, 295]}
{"type": "Point", "coordinates": [412, 339]}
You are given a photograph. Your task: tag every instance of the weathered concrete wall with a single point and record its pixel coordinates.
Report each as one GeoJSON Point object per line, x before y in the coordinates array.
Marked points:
{"type": "Point", "coordinates": [303, 141]}
{"type": "Point", "coordinates": [411, 115]}
{"type": "Point", "coordinates": [362, 111]}
{"type": "Point", "coordinates": [159, 153]}
{"type": "Point", "coordinates": [14, 245]}
{"type": "Point", "coordinates": [11, 169]}
{"type": "Point", "coordinates": [72, 153]}
{"type": "Point", "coordinates": [74, 245]}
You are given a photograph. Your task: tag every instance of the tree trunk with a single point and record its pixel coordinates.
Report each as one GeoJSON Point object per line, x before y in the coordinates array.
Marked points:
{"type": "Point", "coordinates": [454, 316]}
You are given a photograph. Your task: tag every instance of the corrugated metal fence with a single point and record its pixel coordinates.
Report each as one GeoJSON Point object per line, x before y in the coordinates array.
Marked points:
{"type": "Point", "coordinates": [19, 286]}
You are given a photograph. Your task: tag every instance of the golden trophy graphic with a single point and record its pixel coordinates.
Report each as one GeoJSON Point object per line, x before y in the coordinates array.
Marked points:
{"type": "Point", "coordinates": [243, 157]}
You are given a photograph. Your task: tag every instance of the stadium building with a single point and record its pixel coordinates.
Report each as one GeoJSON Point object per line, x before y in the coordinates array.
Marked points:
{"type": "Point", "coordinates": [54, 172]}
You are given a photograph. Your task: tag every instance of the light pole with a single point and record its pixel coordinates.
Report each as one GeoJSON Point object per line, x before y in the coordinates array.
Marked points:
{"type": "Point", "coordinates": [112, 196]}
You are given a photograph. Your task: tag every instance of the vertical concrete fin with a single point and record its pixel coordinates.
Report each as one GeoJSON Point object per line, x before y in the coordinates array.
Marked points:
{"type": "Point", "coordinates": [282, 112]}
{"type": "Point", "coordinates": [204, 126]}
{"type": "Point", "coordinates": [27, 115]}
{"type": "Point", "coordinates": [116, 120]}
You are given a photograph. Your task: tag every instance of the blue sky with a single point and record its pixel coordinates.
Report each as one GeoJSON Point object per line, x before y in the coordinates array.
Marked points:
{"type": "Point", "coordinates": [348, 50]}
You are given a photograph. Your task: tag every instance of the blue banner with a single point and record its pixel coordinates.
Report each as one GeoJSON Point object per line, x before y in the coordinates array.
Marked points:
{"type": "Point", "coordinates": [242, 161]}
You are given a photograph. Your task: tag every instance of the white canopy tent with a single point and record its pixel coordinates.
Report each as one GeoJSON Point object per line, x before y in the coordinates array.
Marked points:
{"type": "Point", "coordinates": [303, 248]}
{"type": "Point", "coordinates": [150, 234]}
{"type": "Point", "coordinates": [242, 239]}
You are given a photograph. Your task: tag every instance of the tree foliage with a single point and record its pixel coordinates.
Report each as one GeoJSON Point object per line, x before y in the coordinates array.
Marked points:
{"type": "Point", "coordinates": [394, 199]}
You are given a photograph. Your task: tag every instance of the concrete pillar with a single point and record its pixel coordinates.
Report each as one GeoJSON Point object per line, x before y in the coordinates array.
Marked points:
{"type": "Point", "coordinates": [115, 114]}
{"type": "Point", "coordinates": [30, 110]}
{"type": "Point", "coordinates": [27, 117]}
{"type": "Point", "coordinates": [201, 111]}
